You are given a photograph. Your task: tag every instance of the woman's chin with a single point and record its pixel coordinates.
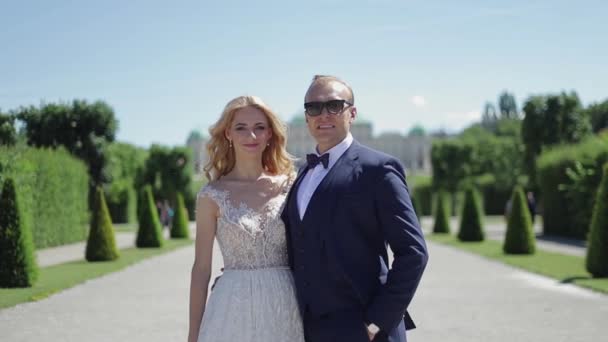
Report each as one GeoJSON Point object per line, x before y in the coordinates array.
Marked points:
{"type": "Point", "coordinates": [251, 153]}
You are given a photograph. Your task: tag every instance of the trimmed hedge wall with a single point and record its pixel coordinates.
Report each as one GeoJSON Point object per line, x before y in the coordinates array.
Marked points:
{"type": "Point", "coordinates": [54, 192]}
{"type": "Point", "coordinates": [494, 196]}
{"type": "Point", "coordinates": [122, 203]}
{"type": "Point", "coordinates": [567, 203]}
{"type": "Point", "coordinates": [423, 194]}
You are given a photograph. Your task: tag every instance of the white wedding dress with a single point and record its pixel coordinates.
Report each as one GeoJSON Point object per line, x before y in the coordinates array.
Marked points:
{"type": "Point", "coordinates": [254, 299]}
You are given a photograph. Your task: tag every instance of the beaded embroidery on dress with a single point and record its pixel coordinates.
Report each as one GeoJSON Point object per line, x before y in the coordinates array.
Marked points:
{"type": "Point", "coordinates": [255, 299]}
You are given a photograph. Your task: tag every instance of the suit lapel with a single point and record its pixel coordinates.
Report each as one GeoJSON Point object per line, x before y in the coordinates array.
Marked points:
{"type": "Point", "coordinates": [292, 201]}
{"type": "Point", "coordinates": [326, 195]}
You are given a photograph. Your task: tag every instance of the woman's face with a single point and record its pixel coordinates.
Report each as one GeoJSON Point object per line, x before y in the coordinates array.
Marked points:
{"type": "Point", "coordinates": [249, 131]}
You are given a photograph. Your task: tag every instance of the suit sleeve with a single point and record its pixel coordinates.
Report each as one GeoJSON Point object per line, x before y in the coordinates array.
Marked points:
{"type": "Point", "coordinates": [401, 229]}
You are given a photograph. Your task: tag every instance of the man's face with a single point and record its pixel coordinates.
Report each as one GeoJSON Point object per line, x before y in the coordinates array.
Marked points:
{"type": "Point", "coordinates": [329, 129]}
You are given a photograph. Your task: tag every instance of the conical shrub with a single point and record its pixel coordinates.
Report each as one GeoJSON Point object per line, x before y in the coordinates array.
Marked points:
{"type": "Point", "coordinates": [17, 259]}
{"type": "Point", "coordinates": [597, 244]}
{"type": "Point", "coordinates": [149, 233]}
{"type": "Point", "coordinates": [101, 244]}
{"type": "Point", "coordinates": [442, 217]}
{"type": "Point", "coordinates": [179, 226]}
{"type": "Point", "coordinates": [471, 226]}
{"type": "Point", "coordinates": [520, 237]}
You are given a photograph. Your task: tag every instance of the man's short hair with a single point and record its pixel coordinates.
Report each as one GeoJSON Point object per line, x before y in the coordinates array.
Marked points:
{"type": "Point", "coordinates": [324, 79]}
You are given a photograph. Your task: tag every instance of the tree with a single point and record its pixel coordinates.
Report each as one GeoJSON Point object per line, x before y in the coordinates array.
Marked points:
{"type": "Point", "coordinates": [471, 227]}
{"type": "Point", "coordinates": [451, 162]}
{"type": "Point", "coordinates": [551, 120]}
{"type": "Point", "coordinates": [597, 250]}
{"type": "Point", "coordinates": [82, 128]}
{"type": "Point", "coordinates": [519, 237]}
{"type": "Point", "coordinates": [8, 134]}
{"type": "Point", "coordinates": [598, 114]}
{"type": "Point", "coordinates": [17, 260]}
{"type": "Point", "coordinates": [124, 163]}
{"type": "Point", "coordinates": [169, 171]}
{"type": "Point", "coordinates": [532, 131]}
{"type": "Point", "coordinates": [489, 118]}
{"type": "Point", "coordinates": [101, 244]}
{"type": "Point", "coordinates": [507, 106]}
{"type": "Point", "coordinates": [509, 128]}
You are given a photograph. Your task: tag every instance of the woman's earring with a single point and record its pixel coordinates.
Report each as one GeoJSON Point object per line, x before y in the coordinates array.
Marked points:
{"type": "Point", "coordinates": [230, 143]}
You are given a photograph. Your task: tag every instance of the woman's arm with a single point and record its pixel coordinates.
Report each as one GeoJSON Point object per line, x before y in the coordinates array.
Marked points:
{"type": "Point", "coordinates": [206, 222]}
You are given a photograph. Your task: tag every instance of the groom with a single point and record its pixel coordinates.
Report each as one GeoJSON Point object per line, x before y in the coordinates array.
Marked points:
{"type": "Point", "coordinates": [347, 203]}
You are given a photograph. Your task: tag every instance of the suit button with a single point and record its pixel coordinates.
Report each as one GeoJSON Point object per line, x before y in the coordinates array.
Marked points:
{"type": "Point", "coordinates": [306, 284]}
{"type": "Point", "coordinates": [301, 250]}
{"type": "Point", "coordinates": [301, 267]}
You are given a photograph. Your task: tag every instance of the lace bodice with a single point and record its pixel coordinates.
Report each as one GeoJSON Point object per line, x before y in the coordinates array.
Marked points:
{"type": "Point", "coordinates": [249, 230]}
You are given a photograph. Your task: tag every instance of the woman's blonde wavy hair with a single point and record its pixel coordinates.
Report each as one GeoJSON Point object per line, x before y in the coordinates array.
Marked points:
{"type": "Point", "coordinates": [275, 158]}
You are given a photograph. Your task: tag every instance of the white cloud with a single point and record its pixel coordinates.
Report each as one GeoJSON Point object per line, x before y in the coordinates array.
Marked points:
{"type": "Point", "coordinates": [418, 101]}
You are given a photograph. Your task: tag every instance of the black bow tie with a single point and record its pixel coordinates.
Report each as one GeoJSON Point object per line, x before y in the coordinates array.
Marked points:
{"type": "Point", "coordinates": [314, 160]}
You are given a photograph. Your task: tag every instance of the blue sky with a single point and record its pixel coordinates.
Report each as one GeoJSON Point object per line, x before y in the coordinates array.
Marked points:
{"type": "Point", "coordinates": [167, 67]}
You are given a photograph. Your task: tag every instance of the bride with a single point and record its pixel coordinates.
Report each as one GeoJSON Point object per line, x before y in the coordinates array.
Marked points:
{"type": "Point", "coordinates": [250, 174]}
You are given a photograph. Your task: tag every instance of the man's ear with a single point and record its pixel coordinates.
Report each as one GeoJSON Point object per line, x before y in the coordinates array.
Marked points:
{"type": "Point", "coordinates": [353, 114]}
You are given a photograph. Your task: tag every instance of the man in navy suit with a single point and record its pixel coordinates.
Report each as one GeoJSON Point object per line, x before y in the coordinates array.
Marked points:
{"type": "Point", "coordinates": [347, 204]}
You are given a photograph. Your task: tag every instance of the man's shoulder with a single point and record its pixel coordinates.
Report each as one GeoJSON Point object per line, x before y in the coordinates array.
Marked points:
{"type": "Point", "coordinates": [372, 156]}
{"type": "Point", "coordinates": [376, 163]}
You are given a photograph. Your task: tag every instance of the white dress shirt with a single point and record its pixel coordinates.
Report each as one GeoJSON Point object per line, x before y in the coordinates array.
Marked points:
{"type": "Point", "coordinates": [314, 176]}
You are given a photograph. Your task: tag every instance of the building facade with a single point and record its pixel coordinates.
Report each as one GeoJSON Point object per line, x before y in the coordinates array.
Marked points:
{"type": "Point", "coordinates": [414, 151]}
{"type": "Point", "coordinates": [197, 143]}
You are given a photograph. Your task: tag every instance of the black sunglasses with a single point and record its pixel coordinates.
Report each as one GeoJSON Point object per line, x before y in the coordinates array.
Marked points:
{"type": "Point", "coordinates": [333, 107]}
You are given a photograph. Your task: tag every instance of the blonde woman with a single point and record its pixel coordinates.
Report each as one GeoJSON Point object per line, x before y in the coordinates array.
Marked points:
{"type": "Point", "coordinates": [250, 173]}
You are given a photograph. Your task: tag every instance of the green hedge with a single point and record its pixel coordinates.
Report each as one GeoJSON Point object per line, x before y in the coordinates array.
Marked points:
{"type": "Point", "coordinates": [423, 193]}
{"type": "Point", "coordinates": [494, 196]}
{"type": "Point", "coordinates": [54, 192]}
{"type": "Point", "coordinates": [121, 200]}
{"type": "Point", "coordinates": [568, 177]}
{"type": "Point", "coordinates": [125, 161]}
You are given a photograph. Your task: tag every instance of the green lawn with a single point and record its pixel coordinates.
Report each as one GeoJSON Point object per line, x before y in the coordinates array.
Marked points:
{"type": "Point", "coordinates": [53, 279]}
{"type": "Point", "coordinates": [564, 268]}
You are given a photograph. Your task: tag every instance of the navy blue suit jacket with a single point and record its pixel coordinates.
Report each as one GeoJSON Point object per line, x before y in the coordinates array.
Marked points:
{"type": "Point", "coordinates": [362, 205]}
